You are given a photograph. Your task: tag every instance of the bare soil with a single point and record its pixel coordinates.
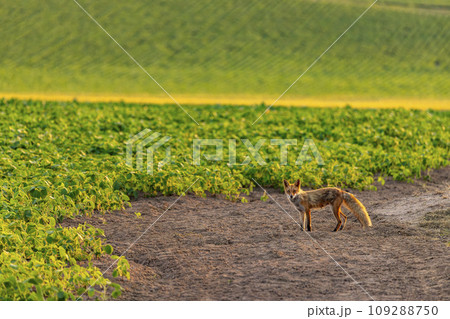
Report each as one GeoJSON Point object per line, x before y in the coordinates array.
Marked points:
{"type": "Point", "coordinates": [213, 249]}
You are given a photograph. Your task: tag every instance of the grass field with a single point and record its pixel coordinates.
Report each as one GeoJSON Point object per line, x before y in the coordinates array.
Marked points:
{"type": "Point", "coordinates": [63, 159]}
{"type": "Point", "coordinates": [254, 49]}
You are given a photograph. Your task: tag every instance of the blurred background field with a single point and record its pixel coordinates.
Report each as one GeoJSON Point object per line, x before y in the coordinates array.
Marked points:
{"type": "Point", "coordinates": [228, 50]}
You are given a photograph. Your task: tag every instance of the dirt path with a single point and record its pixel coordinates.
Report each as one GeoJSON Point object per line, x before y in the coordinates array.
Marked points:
{"type": "Point", "coordinates": [214, 249]}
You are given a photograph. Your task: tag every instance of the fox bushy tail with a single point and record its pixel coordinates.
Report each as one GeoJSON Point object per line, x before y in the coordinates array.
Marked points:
{"type": "Point", "coordinates": [357, 208]}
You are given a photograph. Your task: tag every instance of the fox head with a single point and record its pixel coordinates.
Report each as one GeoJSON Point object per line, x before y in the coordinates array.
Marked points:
{"type": "Point", "coordinates": [291, 190]}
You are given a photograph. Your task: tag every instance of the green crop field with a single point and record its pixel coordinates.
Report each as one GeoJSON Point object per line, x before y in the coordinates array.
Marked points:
{"type": "Point", "coordinates": [60, 160]}
{"type": "Point", "coordinates": [398, 49]}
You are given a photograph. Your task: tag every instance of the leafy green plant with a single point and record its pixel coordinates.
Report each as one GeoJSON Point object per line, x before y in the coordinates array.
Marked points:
{"type": "Point", "coordinates": [60, 160]}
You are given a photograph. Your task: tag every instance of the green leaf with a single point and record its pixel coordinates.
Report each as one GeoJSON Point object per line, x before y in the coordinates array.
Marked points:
{"type": "Point", "coordinates": [52, 221]}
{"type": "Point", "coordinates": [61, 296]}
{"type": "Point", "coordinates": [91, 292]}
{"type": "Point", "coordinates": [108, 249]}
{"type": "Point", "coordinates": [63, 253]}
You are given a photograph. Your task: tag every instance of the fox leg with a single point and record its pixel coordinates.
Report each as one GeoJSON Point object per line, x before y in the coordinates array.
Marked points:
{"type": "Point", "coordinates": [308, 219]}
{"type": "Point", "coordinates": [337, 211]}
{"type": "Point", "coordinates": [303, 219]}
{"type": "Point", "coordinates": [345, 219]}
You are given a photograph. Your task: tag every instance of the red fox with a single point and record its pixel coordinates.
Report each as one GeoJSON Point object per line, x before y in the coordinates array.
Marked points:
{"type": "Point", "coordinates": [333, 196]}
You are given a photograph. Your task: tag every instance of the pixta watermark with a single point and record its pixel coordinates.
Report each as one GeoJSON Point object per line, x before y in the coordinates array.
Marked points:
{"type": "Point", "coordinates": [145, 143]}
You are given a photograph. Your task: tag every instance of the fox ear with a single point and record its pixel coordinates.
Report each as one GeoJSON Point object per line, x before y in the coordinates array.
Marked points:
{"type": "Point", "coordinates": [286, 183]}
{"type": "Point", "coordinates": [297, 183]}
